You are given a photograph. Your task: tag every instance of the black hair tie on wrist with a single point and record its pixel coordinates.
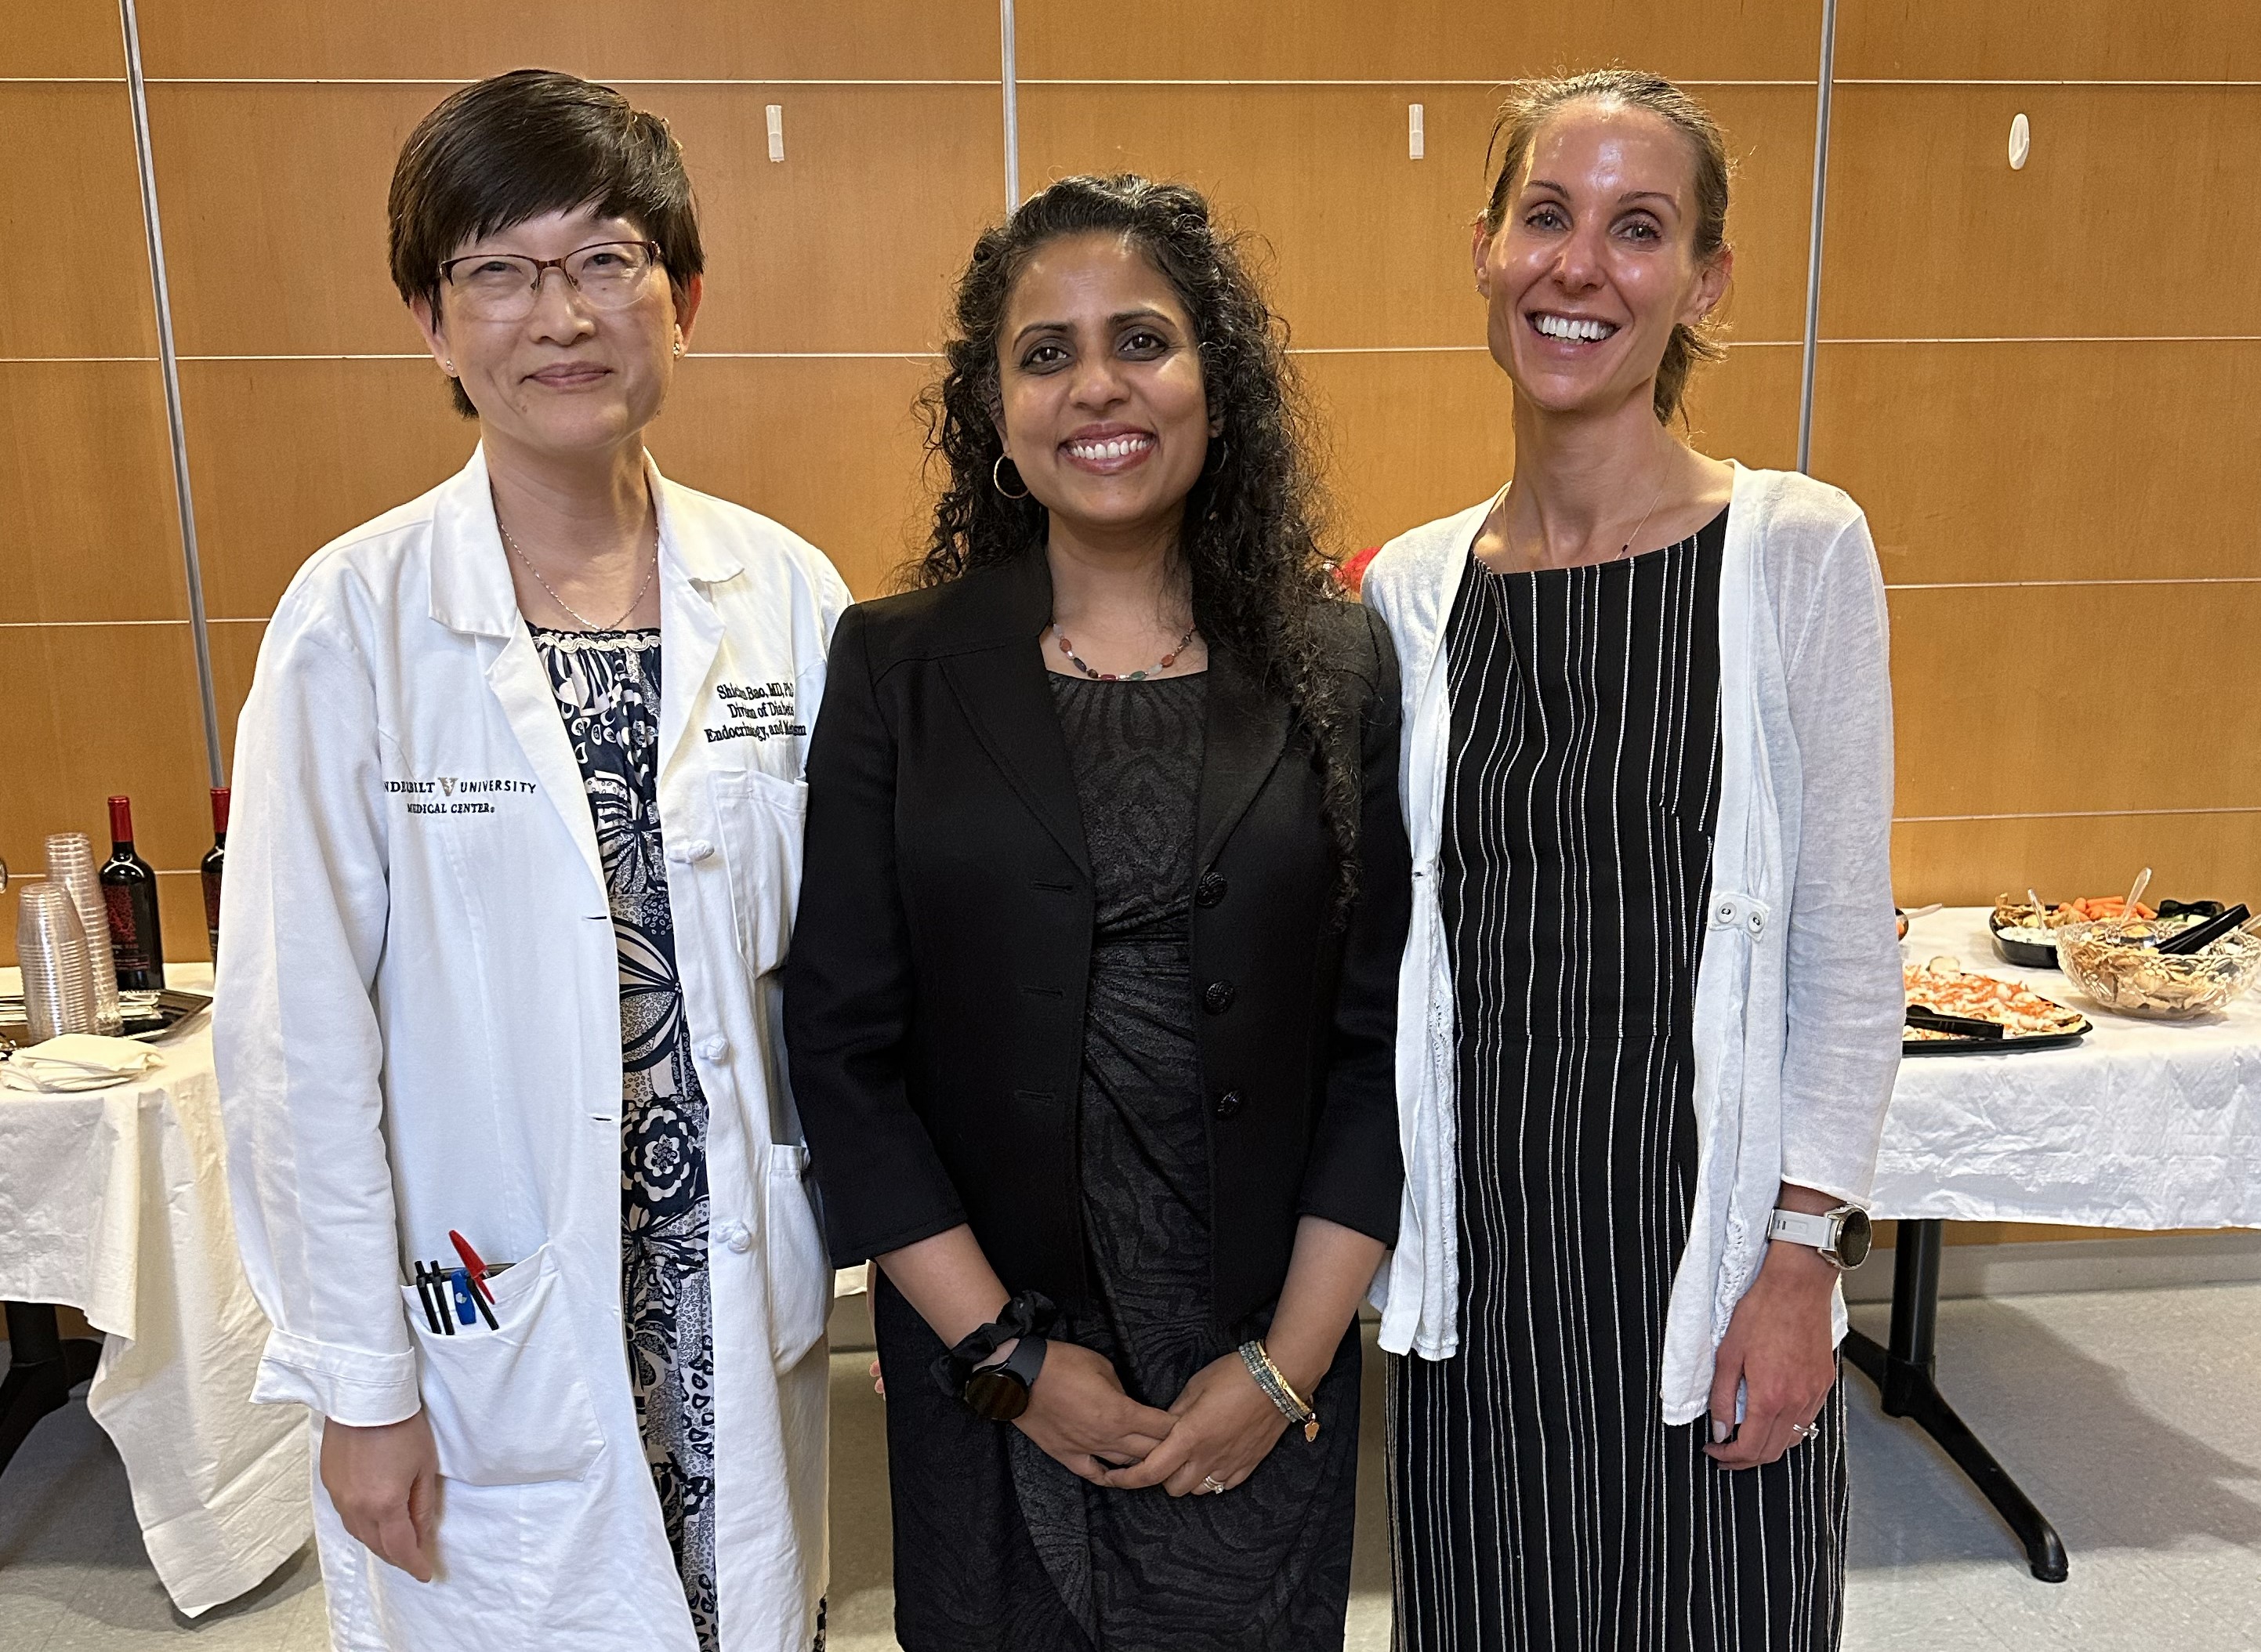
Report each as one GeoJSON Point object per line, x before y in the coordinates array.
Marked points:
{"type": "Point", "coordinates": [999, 1392]}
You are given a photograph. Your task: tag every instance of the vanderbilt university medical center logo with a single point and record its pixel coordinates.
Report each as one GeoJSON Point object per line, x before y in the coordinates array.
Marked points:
{"type": "Point", "coordinates": [453, 794]}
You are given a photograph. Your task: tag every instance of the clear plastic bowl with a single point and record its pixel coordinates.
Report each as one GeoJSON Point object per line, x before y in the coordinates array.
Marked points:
{"type": "Point", "coordinates": [2129, 979]}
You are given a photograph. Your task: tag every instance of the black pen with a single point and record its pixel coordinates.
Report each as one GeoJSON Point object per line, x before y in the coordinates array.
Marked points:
{"type": "Point", "coordinates": [424, 1295]}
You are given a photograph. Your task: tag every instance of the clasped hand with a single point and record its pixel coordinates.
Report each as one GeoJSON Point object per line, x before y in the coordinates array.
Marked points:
{"type": "Point", "coordinates": [1218, 1429]}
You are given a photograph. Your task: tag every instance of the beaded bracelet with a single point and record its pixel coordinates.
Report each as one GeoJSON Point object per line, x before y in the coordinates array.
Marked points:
{"type": "Point", "coordinates": [1277, 1390]}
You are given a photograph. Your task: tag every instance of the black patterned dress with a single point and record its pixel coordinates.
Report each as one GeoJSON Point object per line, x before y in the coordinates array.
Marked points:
{"type": "Point", "coordinates": [607, 684]}
{"type": "Point", "coordinates": [1539, 1501]}
{"type": "Point", "coordinates": [999, 1548]}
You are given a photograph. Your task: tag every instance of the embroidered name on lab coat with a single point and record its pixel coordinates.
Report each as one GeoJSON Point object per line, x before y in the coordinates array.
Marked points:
{"type": "Point", "coordinates": [756, 711]}
{"type": "Point", "coordinates": [452, 794]}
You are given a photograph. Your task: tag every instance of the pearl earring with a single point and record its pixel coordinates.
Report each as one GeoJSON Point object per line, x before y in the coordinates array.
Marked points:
{"type": "Point", "coordinates": [449, 367]}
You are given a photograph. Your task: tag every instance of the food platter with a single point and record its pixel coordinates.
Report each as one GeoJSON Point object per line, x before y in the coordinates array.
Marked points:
{"type": "Point", "coordinates": [1943, 997]}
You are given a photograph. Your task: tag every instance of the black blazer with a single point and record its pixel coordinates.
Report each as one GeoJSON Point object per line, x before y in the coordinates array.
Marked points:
{"type": "Point", "coordinates": [934, 998]}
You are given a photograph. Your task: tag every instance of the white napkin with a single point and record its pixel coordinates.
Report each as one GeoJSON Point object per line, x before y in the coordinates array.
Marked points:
{"type": "Point", "coordinates": [77, 1061]}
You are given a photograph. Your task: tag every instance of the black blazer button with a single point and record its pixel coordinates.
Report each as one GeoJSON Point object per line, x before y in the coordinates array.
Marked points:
{"type": "Point", "coordinates": [1218, 998]}
{"type": "Point", "coordinates": [1210, 890]}
{"type": "Point", "coordinates": [1228, 1104]}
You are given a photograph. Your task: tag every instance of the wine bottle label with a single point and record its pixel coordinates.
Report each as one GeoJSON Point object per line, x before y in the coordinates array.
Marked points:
{"type": "Point", "coordinates": [128, 945]}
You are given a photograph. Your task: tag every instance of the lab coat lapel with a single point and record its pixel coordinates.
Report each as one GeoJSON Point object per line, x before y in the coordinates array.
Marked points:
{"type": "Point", "coordinates": [1246, 730]}
{"type": "Point", "coordinates": [689, 626]}
{"type": "Point", "coordinates": [1009, 704]}
{"type": "Point", "coordinates": [522, 683]}
{"type": "Point", "coordinates": [471, 594]}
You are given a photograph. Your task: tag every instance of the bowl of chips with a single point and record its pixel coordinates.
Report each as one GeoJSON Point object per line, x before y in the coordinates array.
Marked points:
{"type": "Point", "coordinates": [2117, 963]}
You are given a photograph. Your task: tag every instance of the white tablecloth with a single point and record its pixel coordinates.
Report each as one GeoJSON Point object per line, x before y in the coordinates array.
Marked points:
{"type": "Point", "coordinates": [115, 1202]}
{"type": "Point", "coordinates": [2141, 1124]}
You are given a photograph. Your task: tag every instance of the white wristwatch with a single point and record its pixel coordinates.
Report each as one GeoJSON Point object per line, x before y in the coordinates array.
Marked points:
{"type": "Point", "coordinates": [1841, 1235]}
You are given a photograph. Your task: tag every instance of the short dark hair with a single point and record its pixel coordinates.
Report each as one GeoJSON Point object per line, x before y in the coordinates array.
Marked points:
{"type": "Point", "coordinates": [520, 145]}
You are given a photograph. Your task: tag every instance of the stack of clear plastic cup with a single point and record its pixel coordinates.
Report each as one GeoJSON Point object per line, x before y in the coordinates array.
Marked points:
{"type": "Point", "coordinates": [51, 951]}
{"type": "Point", "coordinates": [70, 863]}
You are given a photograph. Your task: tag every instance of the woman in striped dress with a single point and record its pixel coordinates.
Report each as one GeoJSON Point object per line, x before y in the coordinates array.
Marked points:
{"type": "Point", "coordinates": [1649, 1012]}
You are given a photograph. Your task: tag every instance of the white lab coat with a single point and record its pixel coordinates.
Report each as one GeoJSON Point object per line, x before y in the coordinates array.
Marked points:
{"type": "Point", "coordinates": [418, 1029]}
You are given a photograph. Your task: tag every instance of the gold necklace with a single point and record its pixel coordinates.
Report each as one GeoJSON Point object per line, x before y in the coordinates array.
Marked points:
{"type": "Point", "coordinates": [1623, 550]}
{"type": "Point", "coordinates": [643, 591]}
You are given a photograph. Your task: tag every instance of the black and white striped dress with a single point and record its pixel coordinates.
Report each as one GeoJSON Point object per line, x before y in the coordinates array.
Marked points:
{"type": "Point", "coordinates": [1537, 1499]}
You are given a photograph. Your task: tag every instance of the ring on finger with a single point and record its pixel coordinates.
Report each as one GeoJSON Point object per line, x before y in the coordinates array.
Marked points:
{"type": "Point", "coordinates": [1804, 1431]}
{"type": "Point", "coordinates": [1211, 1484]}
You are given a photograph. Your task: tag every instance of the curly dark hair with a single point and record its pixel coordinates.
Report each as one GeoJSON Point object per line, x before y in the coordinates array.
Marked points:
{"type": "Point", "coordinates": [1249, 541]}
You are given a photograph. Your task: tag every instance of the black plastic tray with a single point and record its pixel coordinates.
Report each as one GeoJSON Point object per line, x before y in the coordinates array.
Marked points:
{"type": "Point", "coordinates": [173, 1007]}
{"type": "Point", "coordinates": [2024, 954]}
{"type": "Point", "coordinates": [1996, 1047]}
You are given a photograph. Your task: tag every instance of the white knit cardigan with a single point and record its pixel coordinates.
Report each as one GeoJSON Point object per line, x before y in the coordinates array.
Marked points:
{"type": "Point", "coordinates": [1798, 995]}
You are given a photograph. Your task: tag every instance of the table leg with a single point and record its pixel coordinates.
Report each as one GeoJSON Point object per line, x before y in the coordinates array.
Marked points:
{"type": "Point", "coordinates": [42, 1369]}
{"type": "Point", "coordinates": [1905, 1376]}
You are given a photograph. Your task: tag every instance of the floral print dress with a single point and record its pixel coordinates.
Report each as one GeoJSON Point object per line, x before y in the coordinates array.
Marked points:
{"type": "Point", "coordinates": [607, 684]}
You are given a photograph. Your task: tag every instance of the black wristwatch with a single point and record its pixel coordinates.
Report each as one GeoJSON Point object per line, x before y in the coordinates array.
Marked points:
{"type": "Point", "coordinates": [1000, 1392]}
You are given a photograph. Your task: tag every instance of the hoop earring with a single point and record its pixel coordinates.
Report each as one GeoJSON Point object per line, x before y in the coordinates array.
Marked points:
{"type": "Point", "coordinates": [998, 482]}
{"type": "Point", "coordinates": [1224, 458]}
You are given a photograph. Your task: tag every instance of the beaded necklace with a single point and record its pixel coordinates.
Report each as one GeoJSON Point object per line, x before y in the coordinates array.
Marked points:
{"type": "Point", "coordinates": [1163, 664]}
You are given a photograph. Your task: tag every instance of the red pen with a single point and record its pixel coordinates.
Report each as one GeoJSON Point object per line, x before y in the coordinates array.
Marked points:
{"type": "Point", "coordinates": [472, 1265]}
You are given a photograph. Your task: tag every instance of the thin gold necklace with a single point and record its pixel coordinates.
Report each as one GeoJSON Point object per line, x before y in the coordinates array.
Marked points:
{"type": "Point", "coordinates": [642, 592]}
{"type": "Point", "coordinates": [1623, 550]}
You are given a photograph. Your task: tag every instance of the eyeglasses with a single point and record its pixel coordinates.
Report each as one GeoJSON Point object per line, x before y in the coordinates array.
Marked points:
{"type": "Point", "coordinates": [611, 274]}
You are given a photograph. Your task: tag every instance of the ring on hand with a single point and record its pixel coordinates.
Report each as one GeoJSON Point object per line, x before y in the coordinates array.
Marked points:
{"type": "Point", "coordinates": [1805, 1431]}
{"type": "Point", "coordinates": [1210, 1484]}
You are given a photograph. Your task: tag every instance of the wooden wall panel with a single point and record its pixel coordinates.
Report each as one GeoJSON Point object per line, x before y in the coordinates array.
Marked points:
{"type": "Point", "coordinates": [2049, 39]}
{"type": "Point", "coordinates": [86, 490]}
{"type": "Point", "coordinates": [1969, 862]}
{"type": "Point", "coordinates": [1418, 39]}
{"type": "Point", "coordinates": [1415, 435]}
{"type": "Point", "coordinates": [94, 709]}
{"type": "Point", "coordinates": [274, 196]}
{"type": "Point", "coordinates": [2048, 461]}
{"type": "Point", "coordinates": [2120, 178]}
{"type": "Point", "coordinates": [64, 40]}
{"type": "Point", "coordinates": [69, 192]}
{"type": "Point", "coordinates": [1371, 247]}
{"type": "Point", "coordinates": [689, 39]}
{"type": "Point", "coordinates": [1994, 718]}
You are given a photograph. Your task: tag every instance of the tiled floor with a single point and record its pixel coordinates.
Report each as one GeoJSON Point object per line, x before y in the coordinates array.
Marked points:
{"type": "Point", "coordinates": [2133, 1417]}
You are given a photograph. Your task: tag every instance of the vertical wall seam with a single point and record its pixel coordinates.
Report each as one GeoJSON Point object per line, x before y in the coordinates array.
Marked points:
{"type": "Point", "coordinates": [169, 367]}
{"type": "Point", "coordinates": [1823, 86]}
{"type": "Point", "coordinates": [1010, 78]}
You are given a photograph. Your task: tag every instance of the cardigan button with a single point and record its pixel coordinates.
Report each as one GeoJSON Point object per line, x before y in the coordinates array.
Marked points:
{"type": "Point", "coordinates": [715, 1048]}
{"type": "Point", "coordinates": [738, 1238]}
{"type": "Point", "coordinates": [1210, 890]}
{"type": "Point", "coordinates": [1219, 997]}
{"type": "Point", "coordinates": [1228, 1104]}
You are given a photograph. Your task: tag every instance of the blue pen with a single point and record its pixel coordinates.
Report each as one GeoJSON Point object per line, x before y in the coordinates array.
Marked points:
{"type": "Point", "coordinates": [459, 1285]}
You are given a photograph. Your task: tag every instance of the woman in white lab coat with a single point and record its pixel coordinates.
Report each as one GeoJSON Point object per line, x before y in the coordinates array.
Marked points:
{"type": "Point", "coordinates": [504, 904]}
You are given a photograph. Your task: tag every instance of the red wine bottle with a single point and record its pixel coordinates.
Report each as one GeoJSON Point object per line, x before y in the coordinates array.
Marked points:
{"type": "Point", "coordinates": [129, 889]}
{"type": "Point", "coordinates": [215, 862]}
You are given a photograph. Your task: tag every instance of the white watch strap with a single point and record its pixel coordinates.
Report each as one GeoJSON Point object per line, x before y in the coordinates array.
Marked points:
{"type": "Point", "coordinates": [1820, 1232]}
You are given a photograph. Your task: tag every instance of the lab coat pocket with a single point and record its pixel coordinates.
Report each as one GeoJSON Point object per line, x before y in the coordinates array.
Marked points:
{"type": "Point", "coordinates": [760, 818]}
{"type": "Point", "coordinates": [792, 1251]}
{"type": "Point", "coordinates": [509, 1406]}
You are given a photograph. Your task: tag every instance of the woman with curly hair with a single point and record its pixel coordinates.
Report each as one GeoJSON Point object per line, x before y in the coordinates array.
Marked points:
{"type": "Point", "coordinates": [1090, 1005]}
